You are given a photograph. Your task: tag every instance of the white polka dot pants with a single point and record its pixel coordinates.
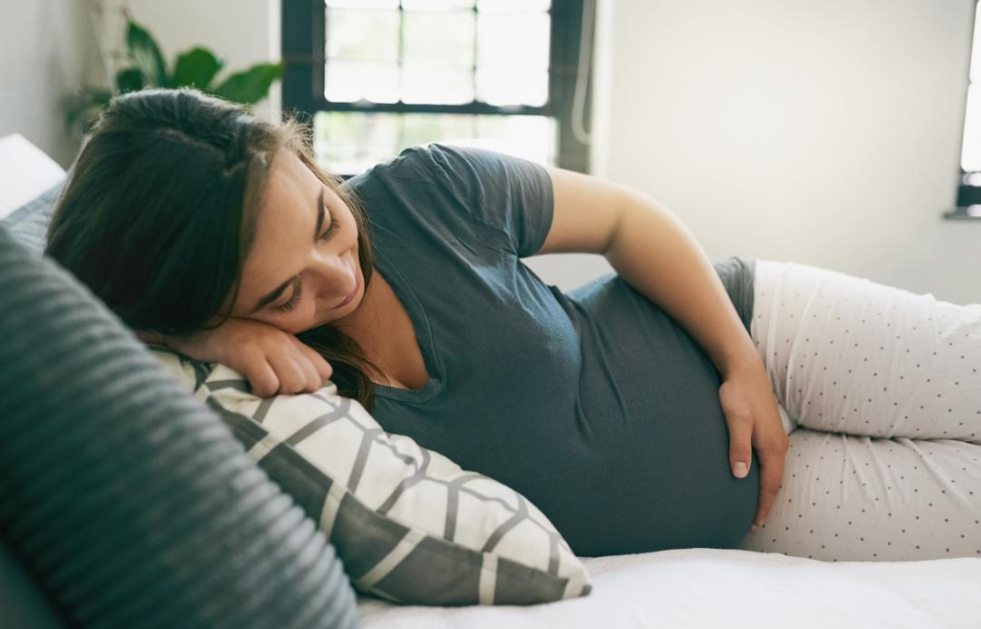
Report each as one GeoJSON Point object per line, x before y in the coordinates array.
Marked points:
{"type": "Point", "coordinates": [882, 393]}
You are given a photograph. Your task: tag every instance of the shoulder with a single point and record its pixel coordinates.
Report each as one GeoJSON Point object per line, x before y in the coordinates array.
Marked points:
{"type": "Point", "coordinates": [410, 165]}
{"type": "Point", "coordinates": [466, 189]}
{"type": "Point", "coordinates": [467, 169]}
{"type": "Point", "coordinates": [430, 188]}
{"type": "Point", "coordinates": [413, 170]}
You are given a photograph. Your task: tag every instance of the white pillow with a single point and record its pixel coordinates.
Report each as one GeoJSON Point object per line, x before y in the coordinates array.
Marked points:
{"type": "Point", "coordinates": [409, 524]}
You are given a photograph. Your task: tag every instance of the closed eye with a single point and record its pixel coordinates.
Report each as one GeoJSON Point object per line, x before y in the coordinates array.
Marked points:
{"type": "Point", "coordinates": [329, 232]}
{"type": "Point", "coordinates": [298, 284]}
{"type": "Point", "coordinates": [294, 298]}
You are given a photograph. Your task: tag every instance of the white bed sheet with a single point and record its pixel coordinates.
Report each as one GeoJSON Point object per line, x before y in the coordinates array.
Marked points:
{"type": "Point", "coordinates": [733, 589]}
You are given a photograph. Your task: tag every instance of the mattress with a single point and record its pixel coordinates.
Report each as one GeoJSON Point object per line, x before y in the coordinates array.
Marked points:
{"type": "Point", "coordinates": [704, 587]}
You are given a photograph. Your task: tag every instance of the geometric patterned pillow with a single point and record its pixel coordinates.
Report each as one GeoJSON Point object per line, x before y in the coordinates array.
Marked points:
{"type": "Point", "coordinates": [408, 523]}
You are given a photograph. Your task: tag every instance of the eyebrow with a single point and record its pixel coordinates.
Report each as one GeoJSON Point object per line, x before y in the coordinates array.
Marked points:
{"type": "Point", "coordinates": [276, 292]}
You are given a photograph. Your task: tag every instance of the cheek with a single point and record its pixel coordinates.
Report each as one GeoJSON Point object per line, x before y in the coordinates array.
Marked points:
{"type": "Point", "coordinates": [352, 231]}
{"type": "Point", "coordinates": [303, 317]}
{"type": "Point", "coordinates": [298, 320]}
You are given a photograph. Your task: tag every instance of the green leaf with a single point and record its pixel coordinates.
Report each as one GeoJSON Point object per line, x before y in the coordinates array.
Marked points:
{"type": "Point", "coordinates": [129, 80]}
{"type": "Point", "coordinates": [83, 108]}
{"type": "Point", "coordinates": [252, 85]}
{"type": "Point", "coordinates": [196, 68]}
{"type": "Point", "coordinates": [146, 55]}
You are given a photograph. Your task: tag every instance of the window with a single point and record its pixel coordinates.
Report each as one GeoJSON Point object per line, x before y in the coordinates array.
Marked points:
{"type": "Point", "coordinates": [376, 76]}
{"type": "Point", "coordinates": [969, 188]}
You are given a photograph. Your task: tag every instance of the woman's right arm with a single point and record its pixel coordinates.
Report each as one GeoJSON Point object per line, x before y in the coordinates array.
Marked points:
{"type": "Point", "coordinates": [273, 361]}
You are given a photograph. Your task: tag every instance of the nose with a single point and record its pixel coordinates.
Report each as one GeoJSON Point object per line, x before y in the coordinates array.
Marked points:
{"type": "Point", "coordinates": [334, 274]}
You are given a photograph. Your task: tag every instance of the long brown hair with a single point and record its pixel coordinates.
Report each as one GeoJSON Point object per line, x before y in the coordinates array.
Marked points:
{"type": "Point", "coordinates": [159, 214]}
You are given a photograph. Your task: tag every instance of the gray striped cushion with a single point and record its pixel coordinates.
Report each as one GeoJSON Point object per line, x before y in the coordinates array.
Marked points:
{"type": "Point", "coordinates": [29, 223]}
{"type": "Point", "coordinates": [129, 501]}
{"type": "Point", "coordinates": [410, 525]}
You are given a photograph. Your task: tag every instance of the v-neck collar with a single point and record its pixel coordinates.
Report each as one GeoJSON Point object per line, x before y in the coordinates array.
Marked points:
{"type": "Point", "coordinates": [424, 337]}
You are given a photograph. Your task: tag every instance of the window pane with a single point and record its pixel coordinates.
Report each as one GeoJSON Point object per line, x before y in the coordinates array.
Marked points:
{"type": "Point", "coordinates": [364, 4]}
{"type": "Point", "coordinates": [349, 143]}
{"type": "Point", "coordinates": [530, 137]}
{"type": "Point", "coordinates": [507, 87]}
{"type": "Point", "coordinates": [419, 129]}
{"type": "Point", "coordinates": [513, 5]}
{"type": "Point", "coordinates": [349, 81]}
{"type": "Point", "coordinates": [436, 5]}
{"type": "Point", "coordinates": [426, 83]}
{"type": "Point", "coordinates": [363, 35]}
{"type": "Point", "coordinates": [444, 39]}
{"type": "Point", "coordinates": [971, 151]}
{"type": "Point", "coordinates": [975, 70]}
{"type": "Point", "coordinates": [512, 41]}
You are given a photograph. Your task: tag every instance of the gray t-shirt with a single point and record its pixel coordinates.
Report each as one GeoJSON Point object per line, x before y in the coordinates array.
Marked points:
{"type": "Point", "coordinates": [593, 403]}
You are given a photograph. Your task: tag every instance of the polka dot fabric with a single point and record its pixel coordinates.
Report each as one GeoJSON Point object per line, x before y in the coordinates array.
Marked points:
{"type": "Point", "coordinates": [882, 389]}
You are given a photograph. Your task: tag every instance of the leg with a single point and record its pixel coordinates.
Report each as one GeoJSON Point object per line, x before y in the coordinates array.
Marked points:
{"type": "Point", "coordinates": [849, 498]}
{"type": "Point", "coordinates": [858, 364]}
{"type": "Point", "coordinates": [849, 355]}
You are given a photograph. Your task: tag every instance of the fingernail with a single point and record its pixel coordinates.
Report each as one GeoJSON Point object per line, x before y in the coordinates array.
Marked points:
{"type": "Point", "coordinates": [740, 469]}
{"type": "Point", "coordinates": [753, 528]}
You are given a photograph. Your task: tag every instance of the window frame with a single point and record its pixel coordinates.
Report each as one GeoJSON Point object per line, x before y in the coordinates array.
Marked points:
{"type": "Point", "coordinates": [968, 197]}
{"type": "Point", "coordinates": [303, 37]}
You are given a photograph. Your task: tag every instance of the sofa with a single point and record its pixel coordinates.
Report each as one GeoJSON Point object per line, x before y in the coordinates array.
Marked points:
{"type": "Point", "coordinates": [128, 502]}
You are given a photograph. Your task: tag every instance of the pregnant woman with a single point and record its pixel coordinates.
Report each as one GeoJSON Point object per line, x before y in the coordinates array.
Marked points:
{"type": "Point", "coordinates": [652, 408]}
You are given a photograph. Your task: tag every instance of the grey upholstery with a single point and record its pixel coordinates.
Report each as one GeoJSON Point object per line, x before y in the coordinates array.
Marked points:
{"type": "Point", "coordinates": [23, 603]}
{"type": "Point", "coordinates": [125, 500]}
{"type": "Point", "coordinates": [29, 223]}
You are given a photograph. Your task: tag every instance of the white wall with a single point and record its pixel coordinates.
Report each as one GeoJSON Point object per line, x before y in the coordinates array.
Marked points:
{"type": "Point", "coordinates": [827, 133]}
{"type": "Point", "coordinates": [242, 32]}
{"type": "Point", "coordinates": [47, 51]}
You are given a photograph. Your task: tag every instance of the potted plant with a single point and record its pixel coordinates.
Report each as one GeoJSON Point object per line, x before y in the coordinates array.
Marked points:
{"type": "Point", "coordinates": [145, 66]}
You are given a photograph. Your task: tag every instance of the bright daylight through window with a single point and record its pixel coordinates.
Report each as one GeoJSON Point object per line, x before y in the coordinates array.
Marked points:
{"type": "Point", "coordinates": [401, 73]}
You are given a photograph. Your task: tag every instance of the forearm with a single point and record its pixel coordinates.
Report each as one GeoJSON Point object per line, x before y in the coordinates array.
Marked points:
{"type": "Point", "coordinates": [658, 256]}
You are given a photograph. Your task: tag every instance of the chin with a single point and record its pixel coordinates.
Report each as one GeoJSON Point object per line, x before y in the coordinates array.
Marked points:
{"type": "Point", "coordinates": [322, 319]}
{"type": "Point", "coordinates": [301, 329]}
{"type": "Point", "coordinates": [340, 315]}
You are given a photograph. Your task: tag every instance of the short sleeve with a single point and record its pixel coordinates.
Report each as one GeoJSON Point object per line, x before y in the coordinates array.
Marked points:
{"type": "Point", "coordinates": [508, 194]}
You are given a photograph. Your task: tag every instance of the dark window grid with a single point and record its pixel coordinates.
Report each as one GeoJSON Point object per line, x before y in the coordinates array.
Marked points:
{"type": "Point", "coordinates": [304, 53]}
{"type": "Point", "coordinates": [967, 195]}
{"type": "Point", "coordinates": [427, 107]}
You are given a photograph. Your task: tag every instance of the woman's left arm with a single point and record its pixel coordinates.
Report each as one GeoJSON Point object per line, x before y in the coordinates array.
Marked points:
{"type": "Point", "coordinates": [656, 254]}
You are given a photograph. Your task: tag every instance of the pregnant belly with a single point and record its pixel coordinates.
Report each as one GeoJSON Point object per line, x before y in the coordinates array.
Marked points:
{"type": "Point", "coordinates": [651, 469]}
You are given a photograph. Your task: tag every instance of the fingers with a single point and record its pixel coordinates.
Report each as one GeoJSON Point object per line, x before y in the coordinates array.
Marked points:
{"type": "Point", "coordinates": [292, 377]}
{"type": "Point", "coordinates": [770, 456]}
{"type": "Point", "coordinates": [263, 379]}
{"type": "Point", "coordinates": [314, 379]}
{"type": "Point", "coordinates": [319, 363]}
{"type": "Point", "coordinates": [316, 369]}
{"type": "Point", "coordinates": [740, 442]}
{"type": "Point", "coordinates": [296, 370]}
{"type": "Point", "coordinates": [771, 475]}
{"type": "Point", "coordinates": [272, 360]}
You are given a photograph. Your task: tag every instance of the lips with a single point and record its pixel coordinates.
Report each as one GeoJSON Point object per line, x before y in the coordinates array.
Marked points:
{"type": "Point", "coordinates": [353, 294]}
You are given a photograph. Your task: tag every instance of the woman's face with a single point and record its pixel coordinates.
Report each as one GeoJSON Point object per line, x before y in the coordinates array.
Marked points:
{"type": "Point", "coordinates": [303, 269]}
